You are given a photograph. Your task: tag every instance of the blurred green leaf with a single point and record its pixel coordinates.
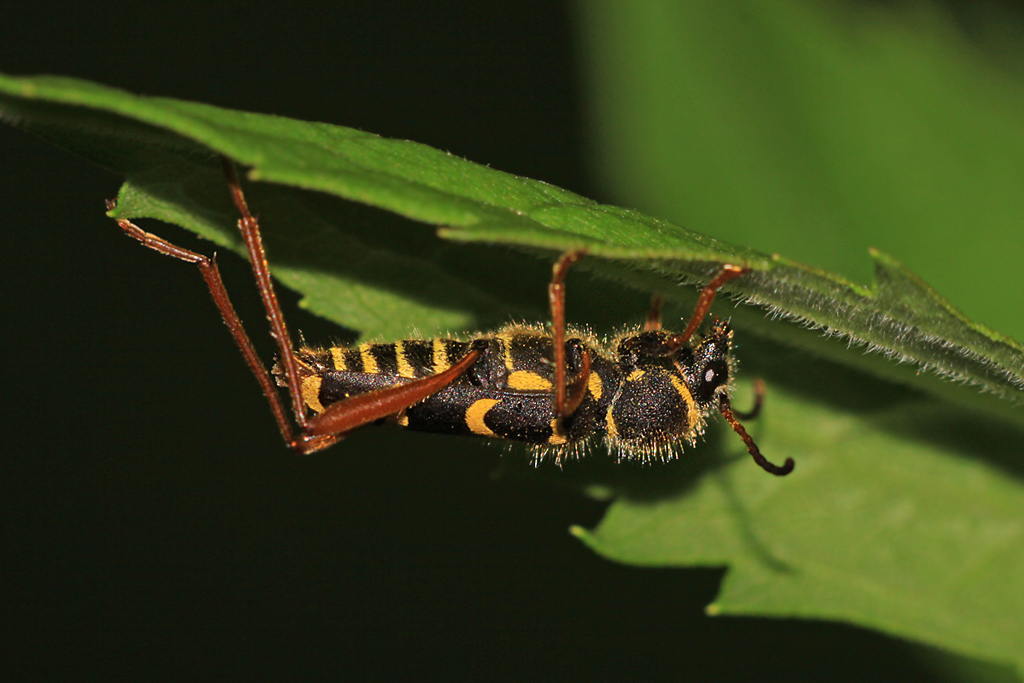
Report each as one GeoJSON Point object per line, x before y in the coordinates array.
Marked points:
{"type": "Point", "coordinates": [814, 129]}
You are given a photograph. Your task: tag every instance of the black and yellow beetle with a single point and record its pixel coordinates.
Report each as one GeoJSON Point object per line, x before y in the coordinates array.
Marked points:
{"type": "Point", "coordinates": [646, 392]}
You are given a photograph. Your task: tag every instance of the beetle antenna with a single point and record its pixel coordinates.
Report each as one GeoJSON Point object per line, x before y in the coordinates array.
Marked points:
{"type": "Point", "coordinates": [755, 453]}
{"type": "Point", "coordinates": [758, 402]}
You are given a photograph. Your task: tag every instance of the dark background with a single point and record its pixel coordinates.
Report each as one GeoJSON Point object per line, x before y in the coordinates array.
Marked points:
{"type": "Point", "coordinates": [152, 519]}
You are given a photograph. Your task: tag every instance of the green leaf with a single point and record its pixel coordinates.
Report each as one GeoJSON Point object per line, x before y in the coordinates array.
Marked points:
{"type": "Point", "coordinates": [813, 129]}
{"type": "Point", "coordinates": [902, 317]}
{"type": "Point", "coordinates": [879, 463]}
{"type": "Point", "coordinates": [890, 521]}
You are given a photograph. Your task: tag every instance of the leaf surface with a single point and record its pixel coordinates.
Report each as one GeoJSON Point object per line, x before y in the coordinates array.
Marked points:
{"type": "Point", "coordinates": [900, 316]}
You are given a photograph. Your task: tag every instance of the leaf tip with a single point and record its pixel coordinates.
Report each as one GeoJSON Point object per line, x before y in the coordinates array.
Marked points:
{"type": "Point", "coordinates": [587, 537]}
{"type": "Point", "coordinates": [111, 206]}
{"type": "Point", "coordinates": [447, 232]}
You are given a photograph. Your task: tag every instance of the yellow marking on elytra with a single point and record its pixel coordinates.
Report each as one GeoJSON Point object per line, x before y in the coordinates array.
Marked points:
{"type": "Point", "coordinates": [692, 418]}
{"type": "Point", "coordinates": [557, 437]}
{"type": "Point", "coordinates": [440, 356]}
{"type": "Point", "coordinates": [594, 386]}
{"type": "Point", "coordinates": [369, 362]}
{"type": "Point", "coordinates": [475, 416]}
{"type": "Point", "coordinates": [338, 356]}
{"type": "Point", "coordinates": [404, 366]}
{"type": "Point", "coordinates": [635, 375]}
{"type": "Point", "coordinates": [610, 427]}
{"type": "Point", "coordinates": [524, 380]}
{"type": "Point", "coordinates": [311, 392]}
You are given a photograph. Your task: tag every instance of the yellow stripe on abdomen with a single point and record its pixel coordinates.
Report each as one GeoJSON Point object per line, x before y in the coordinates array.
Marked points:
{"type": "Point", "coordinates": [369, 360]}
{"type": "Point", "coordinates": [404, 366]}
{"type": "Point", "coordinates": [440, 357]}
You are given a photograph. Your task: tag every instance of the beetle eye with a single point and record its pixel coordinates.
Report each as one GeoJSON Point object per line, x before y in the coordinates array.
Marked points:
{"type": "Point", "coordinates": [714, 376]}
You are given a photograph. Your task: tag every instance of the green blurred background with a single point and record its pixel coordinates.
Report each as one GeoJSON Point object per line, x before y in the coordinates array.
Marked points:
{"type": "Point", "coordinates": [154, 523]}
{"type": "Point", "coordinates": [818, 129]}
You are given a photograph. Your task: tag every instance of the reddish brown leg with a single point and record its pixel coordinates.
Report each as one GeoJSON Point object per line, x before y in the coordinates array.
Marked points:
{"type": "Point", "coordinates": [340, 418]}
{"type": "Point", "coordinates": [577, 389]}
{"type": "Point", "coordinates": [704, 301]}
{"type": "Point", "coordinates": [362, 409]}
{"type": "Point", "coordinates": [653, 323]}
{"type": "Point", "coordinates": [556, 298]}
{"type": "Point", "coordinates": [250, 230]}
{"type": "Point", "coordinates": [787, 467]}
{"type": "Point", "coordinates": [211, 275]}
